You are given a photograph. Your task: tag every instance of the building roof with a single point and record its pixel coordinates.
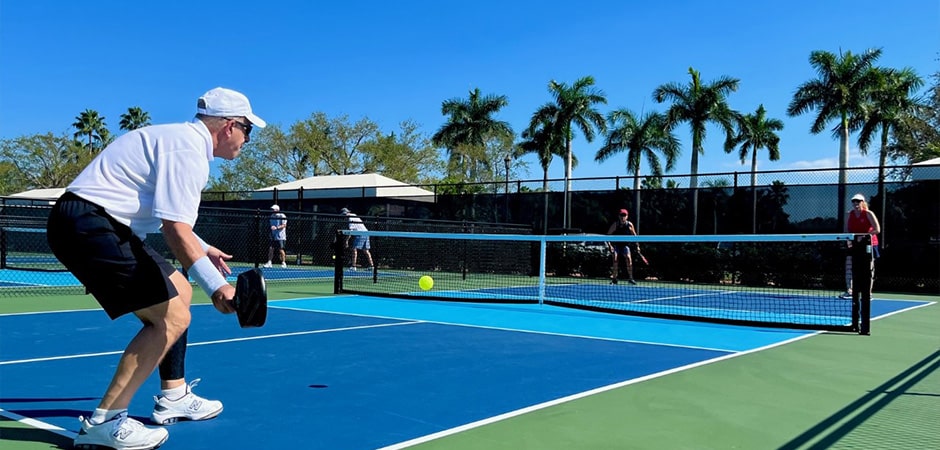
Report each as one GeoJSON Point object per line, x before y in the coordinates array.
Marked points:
{"type": "Point", "coordinates": [367, 185]}
{"type": "Point", "coordinates": [35, 196]}
{"type": "Point", "coordinates": [926, 170]}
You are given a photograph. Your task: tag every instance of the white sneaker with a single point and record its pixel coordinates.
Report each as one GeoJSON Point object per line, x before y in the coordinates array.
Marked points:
{"type": "Point", "coordinates": [189, 407]}
{"type": "Point", "coordinates": [267, 264]}
{"type": "Point", "coordinates": [846, 295]}
{"type": "Point", "coordinates": [283, 265]}
{"type": "Point", "coordinates": [119, 433]}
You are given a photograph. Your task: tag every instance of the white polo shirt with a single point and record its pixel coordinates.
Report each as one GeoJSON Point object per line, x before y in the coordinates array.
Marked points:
{"type": "Point", "coordinates": [150, 174]}
{"type": "Point", "coordinates": [355, 223]}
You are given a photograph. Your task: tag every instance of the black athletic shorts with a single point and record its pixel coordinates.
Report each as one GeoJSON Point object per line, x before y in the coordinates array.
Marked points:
{"type": "Point", "coordinates": [121, 271]}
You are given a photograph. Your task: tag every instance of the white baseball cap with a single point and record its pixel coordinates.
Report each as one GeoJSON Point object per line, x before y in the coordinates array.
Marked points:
{"type": "Point", "coordinates": [275, 207]}
{"type": "Point", "coordinates": [858, 197]}
{"type": "Point", "coordinates": [222, 102]}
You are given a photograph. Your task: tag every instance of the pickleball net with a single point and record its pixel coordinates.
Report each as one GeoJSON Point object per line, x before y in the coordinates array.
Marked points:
{"type": "Point", "coordinates": [791, 281]}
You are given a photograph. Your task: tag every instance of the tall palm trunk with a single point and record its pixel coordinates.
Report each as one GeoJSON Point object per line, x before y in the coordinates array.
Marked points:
{"type": "Point", "coordinates": [566, 222]}
{"type": "Point", "coordinates": [754, 191]}
{"type": "Point", "coordinates": [843, 169]}
{"type": "Point", "coordinates": [636, 197]}
{"type": "Point", "coordinates": [883, 213]}
{"type": "Point", "coordinates": [693, 182]}
{"type": "Point", "coordinates": [545, 200]}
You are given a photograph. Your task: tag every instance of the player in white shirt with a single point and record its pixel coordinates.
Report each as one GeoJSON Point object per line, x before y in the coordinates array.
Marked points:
{"type": "Point", "coordinates": [278, 238]}
{"type": "Point", "coordinates": [150, 180]}
{"type": "Point", "coordinates": [360, 243]}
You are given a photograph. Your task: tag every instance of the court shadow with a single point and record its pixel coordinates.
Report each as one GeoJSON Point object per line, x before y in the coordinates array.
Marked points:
{"type": "Point", "coordinates": [11, 434]}
{"type": "Point", "coordinates": [826, 433]}
{"type": "Point", "coordinates": [40, 414]}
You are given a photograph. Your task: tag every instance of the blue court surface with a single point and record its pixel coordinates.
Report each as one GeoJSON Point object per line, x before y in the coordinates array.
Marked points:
{"type": "Point", "coordinates": [26, 278]}
{"type": "Point", "coordinates": [351, 372]}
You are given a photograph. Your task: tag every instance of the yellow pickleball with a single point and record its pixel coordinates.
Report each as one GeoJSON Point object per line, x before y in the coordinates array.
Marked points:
{"type": "Point", "coordinates": [426, 283]}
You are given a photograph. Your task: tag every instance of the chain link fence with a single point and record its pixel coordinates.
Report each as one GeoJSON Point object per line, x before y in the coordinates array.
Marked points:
{"type": "Point", "coordinates": [804, 201]}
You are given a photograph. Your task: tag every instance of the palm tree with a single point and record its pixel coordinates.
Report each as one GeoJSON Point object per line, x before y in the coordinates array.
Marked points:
{"type": "Point", "coordinates": [469, 125]}
{"type": "Point", "coordinates": [756, 131]}
{"type": "Point", "coordinates": [573, 106]}
{"type": "Point", "coordinates": [545, 143]}
{"type": "Point", "coordinates": [89, 123]}
{"type": "Point", "coordinates": [718, 187]}
{"type": "Point", "coordinates": [844, 85]}
{"type": "Point", "coordinates": [699, 104]}
{"type": "Point", "coordinates": [641, 138]}
{"type": "Point", "coordinates": [134, 118]}
{"type": "Point", "coordinates": [891, 105]}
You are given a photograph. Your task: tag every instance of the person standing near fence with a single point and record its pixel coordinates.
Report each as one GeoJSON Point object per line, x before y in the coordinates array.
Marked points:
{"type": "Point", "coordinates": [860, 220]}
{"type": "Point", "coordinates": [147, 181]}
{"type": "Point", "coordinates": [360, 243]}
{"type": "Point", "coordinates": [620, 250]}
{"type": "Point", "coordinates": [278, 236]}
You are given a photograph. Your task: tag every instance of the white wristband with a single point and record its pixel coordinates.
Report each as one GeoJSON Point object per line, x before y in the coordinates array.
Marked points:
{"type": "Point", "coordinates": [205, 246]}
{"type": "Point", "coordinates": [207, 276]}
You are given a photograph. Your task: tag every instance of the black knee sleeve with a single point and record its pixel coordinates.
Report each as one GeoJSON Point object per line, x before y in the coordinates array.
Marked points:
{"type": "Point", "coordinates": [173, 366]}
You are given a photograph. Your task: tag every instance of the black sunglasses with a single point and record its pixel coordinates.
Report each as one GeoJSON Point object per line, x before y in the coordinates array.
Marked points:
{"type": "Point", "coordinates": [246, 127]}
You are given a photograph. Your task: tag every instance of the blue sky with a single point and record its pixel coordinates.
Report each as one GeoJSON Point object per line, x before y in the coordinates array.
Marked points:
{"type": "Point", "coordinates": [394, 61]}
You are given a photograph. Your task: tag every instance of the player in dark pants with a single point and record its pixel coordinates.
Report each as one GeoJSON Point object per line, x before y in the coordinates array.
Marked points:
{"type": "Point", "coordinates": [620, 250]}
{"type": "Point", "coordinates": [147, 181]}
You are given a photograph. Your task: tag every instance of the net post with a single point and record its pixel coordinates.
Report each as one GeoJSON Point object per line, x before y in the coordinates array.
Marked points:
{"type": "Point", "coordinates": [338, 248]}
{"type": "Point", "coordinates": [862, 267]}
{"type": "Point", "coordinates": [542, 252]}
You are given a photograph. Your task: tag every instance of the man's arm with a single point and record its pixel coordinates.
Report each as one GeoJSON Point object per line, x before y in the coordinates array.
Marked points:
{"type": "Point", "coordinates": [875, 226]}
{"type": "Point", "coordinates": [186, 247]}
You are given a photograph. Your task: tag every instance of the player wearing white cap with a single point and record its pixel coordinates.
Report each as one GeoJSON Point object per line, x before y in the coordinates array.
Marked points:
{"type": "Point", "coordinates": [147, 181]}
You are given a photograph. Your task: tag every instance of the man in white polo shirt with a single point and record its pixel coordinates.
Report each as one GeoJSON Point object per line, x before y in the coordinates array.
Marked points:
{"type": "Point", "coordinates": [146, 181]}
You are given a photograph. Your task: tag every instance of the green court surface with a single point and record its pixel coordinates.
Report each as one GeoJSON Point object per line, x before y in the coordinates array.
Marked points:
{"type": "Point", "coordinates": [829, 390]}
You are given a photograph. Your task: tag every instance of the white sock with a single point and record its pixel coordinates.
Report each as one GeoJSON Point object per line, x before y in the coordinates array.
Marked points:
{"type": "Point", "coordinates": [175, 393]}
{"type": "Point", "coordinates": [101, 416]}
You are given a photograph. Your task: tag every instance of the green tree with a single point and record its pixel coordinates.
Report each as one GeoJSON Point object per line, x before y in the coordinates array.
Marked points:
{"type": "Point", "coordinates": [844, 85]}
{"type": "Point", "coordinates": [406, 155]}
{"type": "Point", "coordinates": [698, 105]}
{"type": "Point", "coordinates": [42, 160]}
{"type": "Point", "coordinates": [642, 138]}
{"type": "Point", "coordinates": [134, 118]}
{"type": "Point", "coordinates": [573, 107]}
{"type": "Point", "coordinates": [91, 125]}
{"type": "Point", "coordinates": [470, 124]}
{"type": "Point", "coordinates": [320, 145]}
{"type": "Point", "coordinates": [891, 105]}
{"type": "Point", "coordinates": [756, 132]}
{"type": "Point", "coordinates": [918, 136]}
{"type": "Point", "coordinates": [11, 179]}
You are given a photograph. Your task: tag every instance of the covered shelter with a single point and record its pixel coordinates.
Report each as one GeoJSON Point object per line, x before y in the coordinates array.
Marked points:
{"type": "Point", "coordinates": [359, 186]}
{"type": "Point", "coordinates": [46, 196]}
{"type": "Point", "coordinates": [926, 170]}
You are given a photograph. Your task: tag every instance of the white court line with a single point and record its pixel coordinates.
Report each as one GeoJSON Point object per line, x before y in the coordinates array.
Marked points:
{"type": "Point", "coordinates": [37, 424]}
{"type": "Point", "coordinates": [221, 341]}
{"type": "Point", "coordinates": [71, 435]}
{"type": "Point", "coordinates": [528, 409]}
{"type": "Point", "coordinates": [519, 412]}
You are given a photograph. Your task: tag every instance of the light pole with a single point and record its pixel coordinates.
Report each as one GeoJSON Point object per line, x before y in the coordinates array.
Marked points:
{"type": "Point", "coordinates": [507, 161]}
